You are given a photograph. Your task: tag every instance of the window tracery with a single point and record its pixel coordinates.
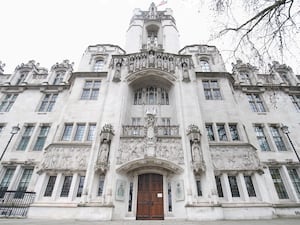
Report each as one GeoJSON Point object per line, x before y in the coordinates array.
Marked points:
{"type": "Point", "coordinates": [151, 95]}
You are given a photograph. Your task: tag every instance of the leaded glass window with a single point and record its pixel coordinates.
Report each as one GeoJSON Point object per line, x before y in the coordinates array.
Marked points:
{"type": "Point", "coordinates": [41, 139]}
{"type": "Point", "coordinates": [278, 183]}
{"type": "Point", "coordinates": [262, 140]}
{"type": "Point", "coordinates": [233, 186]}
{"type": "Point", "coordinates": [25, 137]}
{"type": "Point", "coordinates": [66, 186]}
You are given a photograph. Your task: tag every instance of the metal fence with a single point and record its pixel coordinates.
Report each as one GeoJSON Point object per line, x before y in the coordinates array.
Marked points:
{"type": "Point", "coordinates": [15, 203]}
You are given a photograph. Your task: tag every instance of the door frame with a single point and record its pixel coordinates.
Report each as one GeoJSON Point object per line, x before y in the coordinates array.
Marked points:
{"type": "Point", "coordinates": [135, 178]}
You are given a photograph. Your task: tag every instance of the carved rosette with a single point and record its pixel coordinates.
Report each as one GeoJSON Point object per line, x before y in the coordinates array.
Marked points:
{"type": "Point", "coordinates": [65, 157]}
{"type": "Point", "coordinates": [235, 158]}
{"type": "Point", "coordinates": [194, 134]}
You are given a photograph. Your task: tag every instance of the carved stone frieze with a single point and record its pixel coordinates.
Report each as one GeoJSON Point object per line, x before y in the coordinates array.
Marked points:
{"type": "Point", "coordinates": [241, 157]}
{"type": "Point", "coordinates": [135, 148]}
{"type": "Point", "coordinates": [65, 157]}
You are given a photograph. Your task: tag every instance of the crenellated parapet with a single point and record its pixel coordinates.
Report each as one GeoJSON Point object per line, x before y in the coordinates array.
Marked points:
{"type": "Point", "coordinates": [32, 74]}
{"type": "Point", "coordinates": [244, 73]}
{"type": "Point", "coordinates": [280, 76]}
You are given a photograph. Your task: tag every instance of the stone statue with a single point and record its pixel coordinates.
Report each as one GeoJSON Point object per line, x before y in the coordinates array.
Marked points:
{"type": "Point", "coordinates": [103, 153]}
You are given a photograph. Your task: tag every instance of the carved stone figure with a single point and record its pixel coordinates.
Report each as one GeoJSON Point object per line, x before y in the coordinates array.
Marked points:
{"type": "Point", "coordinates": [103, 152]}
{"type": "Point", "coordinates": [117, 75]}
{"type": "Point", "coordinates": [185, 72]}
{"type": "Point", "coordinates": [197, 153]}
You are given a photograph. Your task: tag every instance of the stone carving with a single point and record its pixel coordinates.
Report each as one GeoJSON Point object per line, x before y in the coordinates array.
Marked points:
{"type": "Point", "coordinates": [64, 65]}
{"type": "Point", "coordinates": [106, 135]}
{"type": "Point", "coordinates": [134, 148]}
{"type": "Point", "coordinates": [117, 76]}
{"type": "Point", "coordinates": [193, 132]}
{"type": "Point", "coordinates": [65, 157]}
{"type": "Point", "coordinates": [153, 59]}
{"type": "Point", "coordinates": [185, 72]}
{"type": "Point", "coordinates": [236, 158]}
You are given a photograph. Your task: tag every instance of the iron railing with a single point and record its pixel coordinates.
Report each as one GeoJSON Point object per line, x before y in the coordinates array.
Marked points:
{"type": "Point", "coordinates": [15, 203]}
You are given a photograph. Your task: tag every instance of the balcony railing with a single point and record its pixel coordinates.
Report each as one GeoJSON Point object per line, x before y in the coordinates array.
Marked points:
{"type": "Point", "coordinates": [140, 131]}
{"type": "Point", "coordinates": [15, 203]}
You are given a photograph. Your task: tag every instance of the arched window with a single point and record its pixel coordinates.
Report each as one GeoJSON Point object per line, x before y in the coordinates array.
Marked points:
{"type": "Point", "coordinates": [58, 77]}
{"type": "Point", "coordinates": [245, 77]}
{"type": "Point", "coordinates": [98, 66]}
{"type": "Point", "coordinates": [22, 77]}
{"type": "Point", "coordinates": [204, 66]}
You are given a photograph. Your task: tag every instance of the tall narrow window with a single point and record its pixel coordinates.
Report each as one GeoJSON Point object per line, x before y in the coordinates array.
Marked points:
{"type": "Point", "coordinates": [101, 185]}
{"type": "Point", "coordinates": [256, 103]}
{"type": "Point", "coordinates": [41, 139]}
{"type": "Point", "coordinates": [6, 181]}
{"type": "Point", "coordinates": [296, 101]}
{"type": "Point", "coordinates": [91, 132]}
{"type": "Point", "coordinates": [25, 137]}
{"type": "Point", "coordinates": [80, 186]}
{"type": "Point", "coordinates": [48, 103]}
{"type": "Point", "coordinates": [277, 138]}
{"type": "Point", "coordinates": [262, 140]}
{"type": "Point", "coordinates": [219, 186]}
{"type": "Point", "coordinates": [138, 99]}
{"type": "Point", "coordinates": [204, 66]}
{"type": "Point", "coordinates": [250, 186]}
{"type": "Point", "coordinates": [198, 185]}
{"type": "Point", "coordinates": [222, 132]}
{"type": "Point", "coordinates": [233, 186]}
{"type": "Point", "coordinates": [50, 186]}
{"type": "Point", "coordinates": [151, 96]}
{"type": "Point", "coordinates": [7, 102]}
{"type": "Point", "coordinates": [164, 97]}
{"type": "Point", "coordinates": [210, 132]}
{"type": "Point", "coordinates": [67, 132]}
{"type": "Point", "coordinates": [98, 66]}
{"type": "Point", "coordinates": [59, 77]}
{"type": "Point", "coordinates": [91, 90]}
{"type": "Point", "coordinates": [66, 186]}
{"type": "Point", "coordinates": [25, 179]}
{"type": "Point", "coordinates": [295, 179]}
{"type": "Point", "coordinates": [234, 132]}
{"type": "Point", "coordinates": [170, 208]}
{"type": "Point", "coordinates": [278, 183]}
{"type": "Point", "coordinates": [211, 90]}
{"type": "Point", "coordinates": [79, 132]}
{"type": "Point", "coordinates": [130, 197]}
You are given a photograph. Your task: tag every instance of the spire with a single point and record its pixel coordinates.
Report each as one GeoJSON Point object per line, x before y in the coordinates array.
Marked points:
{"type": "Point", "coordinates": [152, 10]}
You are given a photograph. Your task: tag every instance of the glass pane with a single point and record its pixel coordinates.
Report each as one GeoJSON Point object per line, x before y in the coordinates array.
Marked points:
{"type": "Point", "coordinates": [233, 186]}
{"type": "Point", "coordinates": [79, 132]}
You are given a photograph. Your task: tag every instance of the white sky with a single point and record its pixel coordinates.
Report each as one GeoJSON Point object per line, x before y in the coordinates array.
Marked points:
{"type": "Point", "coordinates": [49, 31]}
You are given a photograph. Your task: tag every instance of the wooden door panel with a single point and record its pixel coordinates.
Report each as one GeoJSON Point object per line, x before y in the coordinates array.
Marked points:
{"type": "Point", "coordinates": [150, 197]}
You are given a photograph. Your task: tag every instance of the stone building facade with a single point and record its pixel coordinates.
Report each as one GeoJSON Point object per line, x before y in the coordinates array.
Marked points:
{"type": "Point", "coordinates": [152, 132]}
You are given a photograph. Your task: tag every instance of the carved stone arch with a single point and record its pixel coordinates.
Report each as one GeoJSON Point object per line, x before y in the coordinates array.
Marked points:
{"type": "Point", "coordinates": [150, 164]}
{"type": "Point", "coordinates": [151, 75]}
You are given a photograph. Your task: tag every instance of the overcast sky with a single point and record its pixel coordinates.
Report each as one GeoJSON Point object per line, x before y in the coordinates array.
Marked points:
{"type": "Point", "coordinates": [49, 31]}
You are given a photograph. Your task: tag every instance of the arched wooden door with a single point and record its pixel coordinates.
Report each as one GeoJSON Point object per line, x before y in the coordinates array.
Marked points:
{"type": "Point", "coordinates": [150, 197]}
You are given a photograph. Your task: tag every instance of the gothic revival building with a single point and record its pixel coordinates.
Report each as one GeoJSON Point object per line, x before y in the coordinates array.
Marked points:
{"type": "Point", "coordinates": [150, 131]}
